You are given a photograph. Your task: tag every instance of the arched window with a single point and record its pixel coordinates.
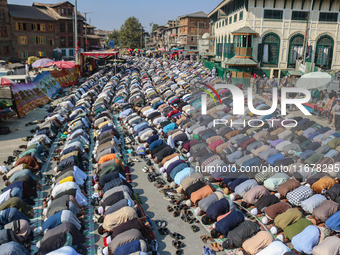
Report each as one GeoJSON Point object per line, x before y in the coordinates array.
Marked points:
{"type": "Point", "coordinates": [270, 49]}
{"type": "Point", "coordinates": [324, 52]}
{"type": "Point", "coordinates": [295, 49]}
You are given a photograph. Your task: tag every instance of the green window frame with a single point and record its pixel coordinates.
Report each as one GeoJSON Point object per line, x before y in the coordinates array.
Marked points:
{"type": "Point", "coordinates": [324, 52]}
{"type": "Point", "coordinates": [299, 15]}
{"type": "Point", "coordinates": [273, 14]}
{"type": "Point", "coordinates": [295, 45]}
{"type": "Point", "coordinates": [241, 15]}
{"type": "Point", "coordinates": [270, 49]}
{"type": "Point", "coordinates": [328, 16]}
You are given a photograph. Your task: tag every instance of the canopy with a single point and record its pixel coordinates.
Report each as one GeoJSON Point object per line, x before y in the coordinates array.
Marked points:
{"type": "Point", "coordinates": [41, 62]}
{"type": "Point", "coordinates": [315, 80]}
{"type": "Point", "coordinates": [62, 64]}
{"type": "Point", "coordinates": [32, 59]}
{"type": "Point", "coordinates": [5, 81]}
{"type": "Point", "coordinates": [99, 53]}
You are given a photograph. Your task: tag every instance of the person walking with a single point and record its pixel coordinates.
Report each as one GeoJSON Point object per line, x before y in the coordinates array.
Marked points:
{"type": "Point", "coordinates": [336, 112]}
{"type": "Point", "coordinates": [213, 72]}
{"type": "Point", "coordinates": [27, 68]}
{"type": "Point", "coordinates": [228, 77]}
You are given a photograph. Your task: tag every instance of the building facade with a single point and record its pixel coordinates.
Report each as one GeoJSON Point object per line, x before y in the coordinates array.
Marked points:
{"type": "Point", "coordinates": [32, 32]}
{"type": "Point", "coordinates": [63, 13]}
{"type": "Point", "coordinates": [171, 33]}
{"type": "Point", "coordinates": [281, 28]}
{"type": "Point", "coordinates": [191, 28]}
{"type": "Point", "coordinates": [5, 34]}
{"type": "Point", "coordinates": [103, 34]}
{"type": "Point", "coordinates": [91, 40]}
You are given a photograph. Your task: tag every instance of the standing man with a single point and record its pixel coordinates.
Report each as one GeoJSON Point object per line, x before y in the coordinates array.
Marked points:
{"type": "Point", "coordinates": [336, 112]}
{"type": "Point", "coordinates": [213, 72]}
{"type": "Point", "coordinates": [228, 78]}
{"type": "Point", "coordinates": [27, 68]}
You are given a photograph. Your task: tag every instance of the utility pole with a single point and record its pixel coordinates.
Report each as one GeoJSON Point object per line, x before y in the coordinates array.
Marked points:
{"type": "Point", "coordinates": [85, 32]}
{"type": "Point", "coordinates": [151, 24]}
{"type": "Point", "coordinates": [76, 32]}
{"type": "Point", "coordinates": [307, 32]}
{"type": "Point", "coordinates": [86, 42]}
{"type": "Point", "coordinates": [141, 39]}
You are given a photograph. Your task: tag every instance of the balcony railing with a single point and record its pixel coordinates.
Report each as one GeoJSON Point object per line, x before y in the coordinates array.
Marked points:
{"type": "Point", "coordinates": [243, 51]}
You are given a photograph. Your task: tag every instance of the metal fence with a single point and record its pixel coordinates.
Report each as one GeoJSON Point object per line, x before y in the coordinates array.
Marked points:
{"type": "Point", "coordinates": [222, 72]}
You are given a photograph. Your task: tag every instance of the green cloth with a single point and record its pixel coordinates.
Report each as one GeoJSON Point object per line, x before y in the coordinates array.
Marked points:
{"type": "Point", "coordinates": [314, 158]}
{"type": "Point", "coordinates": [316, 126]}
{"type": "Point", "coordinates": [296, 228]}
{"type": "Point", "coordinates": [334, 143]}
{"type": "Point", "coordinates": [114, 167]}
{"type": "Point", "coordinates": [290, 216]}
{"type": "Point", "coordinates": [305, 143]}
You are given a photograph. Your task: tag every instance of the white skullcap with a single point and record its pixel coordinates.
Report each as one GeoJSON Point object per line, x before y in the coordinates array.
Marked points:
{"type": "Point", "coordinates": [96, 186]}
{"type": "Point", "coordinates": [188, 154]}
{"type": "Point", "coordinates": [188, 202]}
{"type": "Point", "coordinates": [55, 169]}
{"type": "Point", "coordinates": [307, 184]}
{"type": "Point", "coordinates": [108, 240]}
{"type": "Point", "coordinates": [106, 251]}
{"type": "Point", "coordinates": [100, 210]}
{"type": "Point", "coordinates": [232, 197]}
{"type": "Point", "coordinates": [280, 237]}
{"type": "Point", "coordinates": [265, 220]}
{"type": "Point", "coordinates": [197, 211]}
{"type": "Point", "coordinates": [254, 211]}
{"type": "Point", "coordinates": [278, 195]}
{"type": "Point", "coordinates": [273, 230]}
{"type": "Point", "coordinates": [162, 169]}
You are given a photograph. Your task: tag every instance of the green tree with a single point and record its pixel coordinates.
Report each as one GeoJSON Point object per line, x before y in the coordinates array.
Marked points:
{"type": "Point", "coordinates": [154, 27]}
{"type": "Point", "coordinates": [130, 33]}
{"type": "Point", "coordinates": [114, 35]}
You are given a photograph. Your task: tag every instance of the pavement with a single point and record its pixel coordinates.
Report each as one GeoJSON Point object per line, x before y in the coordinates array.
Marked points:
{"type": "Point", "coordinates": [155, 207]}
{"type": "Point", "coordinates": [153, 203]}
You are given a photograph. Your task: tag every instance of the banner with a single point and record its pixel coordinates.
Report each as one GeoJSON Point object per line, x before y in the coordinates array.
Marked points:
{"type": "Point", "coordinates": [28, 96]}
{"type": "Point", "coordinates": [75, 70]}
{"type": "Point", "coordinates": [64, 77]}
{"type": "Point", "coordinates": [47, 84]}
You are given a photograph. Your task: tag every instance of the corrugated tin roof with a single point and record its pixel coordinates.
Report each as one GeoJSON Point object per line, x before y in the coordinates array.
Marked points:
{"type": "Point", "coordinates": [27, 12]}
{"type": "Point", "coordinates": [93, 36]}
{"type": "Point", "coordinates": [48, 10]}
{"type": "Point", "coordinates": [200, 14]}
{"type": "Point", "coordinates": [234, 61]}
{"type": "Point", "coordinates": [244, 30]}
